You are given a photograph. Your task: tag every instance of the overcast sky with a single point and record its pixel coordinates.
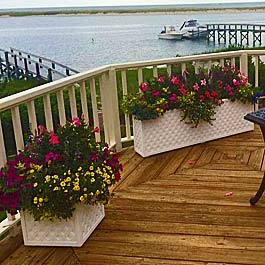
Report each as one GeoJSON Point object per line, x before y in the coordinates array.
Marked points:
{"type": "Point", "coordinates": [64, 3]}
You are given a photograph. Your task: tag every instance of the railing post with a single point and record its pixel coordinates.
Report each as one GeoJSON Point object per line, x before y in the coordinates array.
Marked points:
{"type": "Point", "coordinates": [115, 130]}
{"type": "Point", "coordinates": [244, 63]}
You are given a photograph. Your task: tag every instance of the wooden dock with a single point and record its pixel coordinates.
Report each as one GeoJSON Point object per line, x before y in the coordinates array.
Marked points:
{"type": "Point", "coordinates": [18, 64]}
{"type": "Point", "coordinates": [172, 208]}
{"type": "Point", "coordinates": [243, 34]}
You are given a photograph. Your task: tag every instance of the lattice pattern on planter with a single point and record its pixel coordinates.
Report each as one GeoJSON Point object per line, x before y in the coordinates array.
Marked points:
{"type": "Point", "coordinates": [62, 233]}
{"type": "Point", "coordinates": [169, 132]}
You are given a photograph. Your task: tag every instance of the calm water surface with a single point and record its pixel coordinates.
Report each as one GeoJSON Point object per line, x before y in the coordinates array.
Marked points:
{"type": "Point", "coordinates": [117, 38]}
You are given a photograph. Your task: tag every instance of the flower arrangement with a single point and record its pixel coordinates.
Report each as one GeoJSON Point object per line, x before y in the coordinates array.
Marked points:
{"type": "Point", "coordinates": [196, 95]}
{"type": "Point", "coordinates": [58, 170]}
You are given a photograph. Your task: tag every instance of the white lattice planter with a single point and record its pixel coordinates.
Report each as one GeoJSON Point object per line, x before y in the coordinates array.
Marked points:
{"type": "Point", "coordinates": [168, 132]}
{"type": "Point", "coordinates": [62, 233]}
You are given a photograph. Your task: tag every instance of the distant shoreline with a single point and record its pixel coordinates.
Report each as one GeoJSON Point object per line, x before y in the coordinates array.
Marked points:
{"type": "Point", "coordinates": [130, 12]}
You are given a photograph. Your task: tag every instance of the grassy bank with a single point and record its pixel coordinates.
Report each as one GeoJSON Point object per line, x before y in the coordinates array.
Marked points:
{"type": "Point", "coordinates": [126, 11]}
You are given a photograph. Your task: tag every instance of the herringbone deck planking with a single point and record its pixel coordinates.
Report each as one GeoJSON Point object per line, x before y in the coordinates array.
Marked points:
{"type": "Point", "coordinates": [172, 208]}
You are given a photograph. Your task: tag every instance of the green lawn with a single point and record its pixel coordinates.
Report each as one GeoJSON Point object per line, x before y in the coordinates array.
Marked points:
{"type": "Point", "coordinates": [2, 216]}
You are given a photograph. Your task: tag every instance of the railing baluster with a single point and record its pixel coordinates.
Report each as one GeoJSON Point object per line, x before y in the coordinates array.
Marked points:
{"type": "Point", "coordinates": [115, 129]}
{"type": "Point", "coordinates": [233, 61]}
{"type": "Point", "coordinates": [104, 104]}
{"type": "Point", "coordinates": [183, 69]}
{"type": "Point", "coordinates": [169, 69]}
{"type": "Point", "coordinates": [140, 75]}
{"type": "Point", "coordinates": [17, 128]}
{"type": "Point", "coordinates": [32, 116]}
{"type": "Point", "coordinates": [61, 107]}
{"type": "Point", "coordinates": [222, 62]}
{"type": "Point", "coordinates": [196, 67]}
{"type": "Point", "coordinates": [72, 100]}
{"type": "Point", "coordinates": [256, 65]}
{"type": "Point", "coordinates": [93, 95]}
{"type": "Point", "coordinates": [244, 63]}
{"type": "Point", "coordinates": [209, 65]}
{"type": "Point", "coordinates": [127, 117]}
{"type": "Point", "coordinates": [84, 100]}
{"type": "Point", "coordinates": [155, 72]}
{"type": "Point", "coordinates": [2, 147]}
{"type": "Point", "coordinates": [48, 112]}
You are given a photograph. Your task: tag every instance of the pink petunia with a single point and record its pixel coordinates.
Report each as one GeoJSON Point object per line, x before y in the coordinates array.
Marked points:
{"type": "Point", "coordinates": [203, 82]}
{"type": "Point", "coordinates": [75, 121]}
{"type": "Point", "coordinates": [160, 79]}
{"type": "Point", "coordinates": [196, 87]}
{"type": "Point", "coordinates": [50, 156]}
{"type": "Point", "coordinates": [53, 138]}
{"type": "Point", "coordinates": [156, 93]}
{"type": "Point", "coordinates": [144, 87]}
{"type": "Point", "coordinates": [166, 107]}
{"type": "Point", "coordinates": [183, 91]}
{"type": "Point", "coordinates": [173, 98]}
{"type": "Point", "coordinates": [96, 130]}
{"type": "Point", "coordinates": [175, 80]}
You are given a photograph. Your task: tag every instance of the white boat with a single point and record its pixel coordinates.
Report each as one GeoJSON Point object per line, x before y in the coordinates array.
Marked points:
{"type": "Point", "coordinates": [192, 30]}
{"type": "Point", "coordinates": [170, 33]}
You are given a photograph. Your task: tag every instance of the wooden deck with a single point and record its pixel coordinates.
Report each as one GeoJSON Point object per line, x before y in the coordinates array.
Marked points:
{"type": "Point", "coordinates": [173, 209]}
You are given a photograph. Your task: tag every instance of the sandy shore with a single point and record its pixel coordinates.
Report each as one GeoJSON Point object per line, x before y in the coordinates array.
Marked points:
{"type": "Point", "coordinates": [130, 12]}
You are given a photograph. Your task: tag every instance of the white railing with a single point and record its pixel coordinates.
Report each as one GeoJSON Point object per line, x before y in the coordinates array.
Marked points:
{"type": "Point", "coordinates": [100, 86]}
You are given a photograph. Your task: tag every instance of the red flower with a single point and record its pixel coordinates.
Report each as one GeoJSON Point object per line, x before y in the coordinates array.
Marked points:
{"type": "Point", "coordinates": [214, 93]}
{"type": "Point", "coordinates": [53, 138]}
{"type": "Point", "coordinates": [175, 80]}
{"type": "Point", "coordinates": [75, 121]}
{"type": "Point", "coordinates": [160, 79]}
{"type": "Point", "coordinates": [183, 91]}
{"type": "Point", "coordinates": [207, 94]}
{"type": "Point", "coordinates": [156, 93]}
{"type": "Point", "coordinates": [144, 87]}
{"type": "Point", "coordinates": [96, 130]}
{"type": "Point", "coordinates": [173, 98]}
{"type": "Point", "coordinates": [201, 97]}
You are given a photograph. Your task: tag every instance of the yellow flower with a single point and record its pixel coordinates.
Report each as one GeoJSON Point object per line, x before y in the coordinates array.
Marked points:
{"type": "Point", "coordinates": [108, 181]}
{"type": "Point", "coordinates": [82, 198]}
{"type": "Point", "coordinates": [97, 192]}
{"type": "Point", "coordinates": [48, 178]}
{"type": "Point", "coordinates": [92, 180]}
{"type": "Point", "coordinates": [77, 174]}
{"type": "Point", "coordinates": [62, 183]}
{"type": "Point", "coordinates": [76, 188]}
{"type": "Point", "coordinates": [31, 171]}
{"type": "Point", "coordinates": [92, 174]}
{"type": "Point", "coordinates": [69, 172]}
{"type": "Point", "coordinates": [91, 168]}
{"type": "Point", "coordinates": [84, 189]}
{"type": "Point", "coordinates": [68, 179]}
{"type": "Point", "coordinates": [35, 200]}
{"type": "Point", "coordinates": [56, 176]}
{"type": "Point", "coordinates": [79, 169]}
{"type": "Point", "coordinates": [35, 184]}
{"type": "Point", "coordinates": [65, 191]}
{"type": "Point", "coordinates": [40, 200]}
{"type": "Point", "coordinates": [56, 188]}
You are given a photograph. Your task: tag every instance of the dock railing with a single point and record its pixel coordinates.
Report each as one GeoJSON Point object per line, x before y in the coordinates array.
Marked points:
{"type": "Point", "coordinates": [99, 88]}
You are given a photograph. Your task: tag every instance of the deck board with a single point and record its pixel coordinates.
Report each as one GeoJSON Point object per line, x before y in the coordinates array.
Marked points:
{"type": "Point", "coordinates": [172, 208]}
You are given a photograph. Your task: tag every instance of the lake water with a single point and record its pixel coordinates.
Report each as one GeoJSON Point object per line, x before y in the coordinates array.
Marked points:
{"type": "Point", "coordinates": [117, 38]}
